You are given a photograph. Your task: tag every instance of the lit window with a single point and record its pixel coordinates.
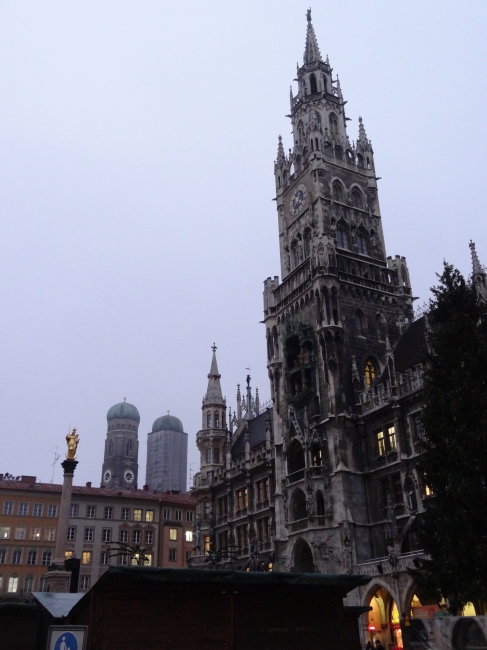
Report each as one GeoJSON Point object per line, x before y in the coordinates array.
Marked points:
{"type": "Point", "coordinates": [137, 515]}
{"type": "Point", "coordinates": [71, 536]}
{"type": "Point", "coordinates": [90, 512]}
{"type": "Point", "coordinates": [23, 509]}
{"type": "Point", "coordinates": [125, 514]}
{"type": "Point", "coordinates": [32, 557]}
{"type": "Point", "coordinates": [46, 558]}
{"type": "Point", "coordinates": [149, 537]}
{"type": "Point", "coordinates": [172, 555]}
{"type": "Point", "coordinates": [37, 510]}
{"type": "Point", "coordinates": [149, 515]}
{"type": "Point", "coordinates": [68, 554]}
{"type": "Point", "coordinates": [148, 559]}
{"type": "Point", "coordinates": [380, 443]}
{"type": "Point", "coordinates": [13, 584]}
{"type": "Point", "coordinates": [106, 535]}
{"type": "Point", "coordinates": [124, 536]}
{"type": "Point", "coordinates": [8, 508]}
{"type": "Point", "coordinates": [20, 532]}
{"type": "Point", "coordinates": [50, 534]}
{"type": "Point", "coordinates": [206, 544]}
{"type": "Point", "coordinates": [4, 532]}
{"type": "Point", "coordinates": [89, 534]}
{"type": "Point", "coordinates": [136, 536]}
{"type": "Point", "coordinates": [109, 512]}
{"type": "Point", "coordinates": [189, 535]}
{"type": "Point", "coordinates": [370, 373]}
{"type": "Point", "coordinates": [391, 438]}
{"type": "Point", "coordinates": [73, 510]}
{"type": "Point", "coordinates": [17, 557]}
{"type": "Point", "coordinates": [52, 510]}
{"type": "Point", "coordinates": [84, 583]}
{"type": "Point", "coordinates": [173, 534]}
{"type": "Point", "coordinates": [86, 557]}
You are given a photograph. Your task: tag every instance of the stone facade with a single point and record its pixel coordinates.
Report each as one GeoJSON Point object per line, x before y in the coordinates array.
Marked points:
{"type": "Point", "coordinates": [344, 357]}
{"type": "Point", "coordinates": [120, 465]}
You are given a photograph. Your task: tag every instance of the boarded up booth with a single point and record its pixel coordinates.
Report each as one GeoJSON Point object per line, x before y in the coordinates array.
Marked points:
{"type": "Point", "coordinates": [132, 608]}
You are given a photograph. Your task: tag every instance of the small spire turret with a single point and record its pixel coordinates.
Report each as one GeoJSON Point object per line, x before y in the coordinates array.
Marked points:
{"type": "Point", "coordinates": [478, 275]}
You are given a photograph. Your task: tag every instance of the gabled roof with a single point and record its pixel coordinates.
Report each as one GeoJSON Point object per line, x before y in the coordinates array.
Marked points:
{"type": "Point", "coordinates": [256, 426]}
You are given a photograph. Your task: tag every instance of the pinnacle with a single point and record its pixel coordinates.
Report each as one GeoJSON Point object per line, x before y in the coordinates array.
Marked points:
{"type": "Point", "coordinates": [477, 267]}
{"type": "Point", "coordinates": [214, 391]}
{"type": "Point", "coordinates": [311, 50]}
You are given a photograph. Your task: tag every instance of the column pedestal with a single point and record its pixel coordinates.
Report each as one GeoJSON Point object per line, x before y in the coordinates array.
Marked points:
{"type": "Point", "coordinates": [58, 577]}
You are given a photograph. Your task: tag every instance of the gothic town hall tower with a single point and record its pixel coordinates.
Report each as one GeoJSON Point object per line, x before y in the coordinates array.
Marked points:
{"type": "Point", "coordinates": [331, 324]}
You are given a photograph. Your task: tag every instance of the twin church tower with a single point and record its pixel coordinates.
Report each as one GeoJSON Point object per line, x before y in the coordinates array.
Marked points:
{"type": "Point", "coordinates": [167, 451]}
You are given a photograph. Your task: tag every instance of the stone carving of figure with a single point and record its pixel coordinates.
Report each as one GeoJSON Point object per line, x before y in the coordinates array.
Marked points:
{"type": "Point", "coordinates": [72, 440]}
{"type": "Point", "coordinates": [321, 255]}
{"type": "Point", "coordinates": [197, 536]}
{"type": "Point", "coordinates": [392, 557]}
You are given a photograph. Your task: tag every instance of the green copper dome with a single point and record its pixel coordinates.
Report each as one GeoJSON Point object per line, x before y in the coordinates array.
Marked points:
{"type": "Point", "coordinates": [123, 411]}
{"type": "Point", "coordinates": [169, 423]}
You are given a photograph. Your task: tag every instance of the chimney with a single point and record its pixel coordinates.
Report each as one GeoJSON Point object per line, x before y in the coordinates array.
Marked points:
{"type": "Point", "coordinates": [88, 484]}
{"type": "Point", "coordinates": [146, 488]}
{"type": "Point", "coordinates": [27, 479]}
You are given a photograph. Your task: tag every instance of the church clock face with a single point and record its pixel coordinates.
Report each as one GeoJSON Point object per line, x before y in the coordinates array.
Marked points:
{"type": "Point", "coordinates": [107, 476]}
{"type": "Point", "coordinates": [128, 476]}
{"type": "Point", "coordinates": [298, 199]}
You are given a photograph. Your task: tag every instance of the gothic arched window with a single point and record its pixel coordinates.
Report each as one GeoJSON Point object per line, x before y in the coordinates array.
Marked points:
{"type": "Point", "coordinates": [356, 199]}
{"type": "Point", "coordinates": [333, 121]}
{"type": "Point", "coordinates": [342, 239]}
{"type": "Point", "coordinates": [362, 243]}
{"type": "Point", "coordinates": [360, 160]}
{"type": "Point", "coordinates": [312, 84]}
{"type": "Point", "coordinates": [110, 449]}
{"type": "Point", "coordinates": [300, 131]}
{"type": "Point", "coordinates": [307, 241]}
{"type": "Point", "coordinates": [337, 191]}
{"type": "Point", "coordinates": [317, 146]}
{"type": "Point", "coordinates": [338, 153]}
{"type": "Point", "coordinates": [129, 448]}
{"type": "Point", "coordinates": [359, 322]}
{"type": "Point", "coordinates": [370, 373]}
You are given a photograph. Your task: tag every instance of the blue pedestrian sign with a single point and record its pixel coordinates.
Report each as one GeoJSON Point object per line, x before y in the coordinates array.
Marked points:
{"type": "Point", "coordinates": [67, 637]}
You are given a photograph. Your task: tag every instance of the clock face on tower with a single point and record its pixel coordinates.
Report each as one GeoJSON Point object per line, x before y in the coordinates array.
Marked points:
{"type": "Point", "coordinates": [107, 476]}
{"type": "Point", "coordinates": [298, 199]}
{"type": "Point", "coordinates": [128, 476]}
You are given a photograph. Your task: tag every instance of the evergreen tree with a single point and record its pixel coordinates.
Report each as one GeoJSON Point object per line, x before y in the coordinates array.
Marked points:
{"type": "Point", "coordinates": [454, 462]}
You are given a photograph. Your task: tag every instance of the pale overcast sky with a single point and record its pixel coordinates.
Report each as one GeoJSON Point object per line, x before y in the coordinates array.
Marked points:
{"type": "Point", "coordinates": [137, 142]}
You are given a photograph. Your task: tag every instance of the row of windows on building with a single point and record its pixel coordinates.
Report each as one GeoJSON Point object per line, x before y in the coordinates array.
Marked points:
{"type": "Point", "coordinates": [21, 532]}
{"type": "Point", "coordinates": [13, 585]}
{"type": "Point", "coordinates": [129, 449]}
{"type": "Point", "coordinates": [107, 535]}
{"type": "Point", "coordinates": [126, 514]}
{"type": "Point", "coordinates": [215, 421]}
{"type": "Point", "coordinates": [177, 515]}
{"type": "Point", "coordinates": [31, 558]}
{"type": "Point", "coordinates": [23, 509]}
{"type": "Point", "coordinates": [263, 530]}
{"type": "Point", "coordinates": [241, 498]}
{"type": "Point", "coordinates": [386, 436]}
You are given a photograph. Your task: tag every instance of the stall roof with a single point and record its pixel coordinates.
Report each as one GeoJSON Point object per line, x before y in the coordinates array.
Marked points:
{"type": "Point", "coordinates": [58, 605]}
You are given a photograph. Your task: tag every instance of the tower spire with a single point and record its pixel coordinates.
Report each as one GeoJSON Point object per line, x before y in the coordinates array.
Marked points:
{"type": "Point", "coordinates": [476, 266]}
{"type": "Point", "coordinates": [311, 50]}
{"type": "Point", "coordinates": [214, 390]}
{"type": "Point", "coordinates": [478, 275]}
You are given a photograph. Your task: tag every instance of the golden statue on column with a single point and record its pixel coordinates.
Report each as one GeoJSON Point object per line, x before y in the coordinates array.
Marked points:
{"type": "Point", "coordinates": [72, 439]}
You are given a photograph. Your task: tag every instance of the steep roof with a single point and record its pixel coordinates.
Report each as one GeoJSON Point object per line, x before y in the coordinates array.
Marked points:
{"type": "Point", "coordinates": [256, 426]}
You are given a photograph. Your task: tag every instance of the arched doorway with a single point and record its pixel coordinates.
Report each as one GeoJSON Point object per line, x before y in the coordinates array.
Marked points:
{"type": "Point", "coordinates": [384, 619]}
{"type": "Point", "coordinates": [303, 558]}
{"type": "Point", "coordinates": [467, 635]}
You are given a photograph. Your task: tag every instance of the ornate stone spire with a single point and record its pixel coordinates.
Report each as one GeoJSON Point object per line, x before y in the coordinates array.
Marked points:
{"type": "Point", "coordinates": [311, 50]}
{"type": "Point", "coordinates": [214, 390]}
{"type": "Point", "coordinates": [478, 275]}
{"type": "Point", "coordinates": [281, 156]}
